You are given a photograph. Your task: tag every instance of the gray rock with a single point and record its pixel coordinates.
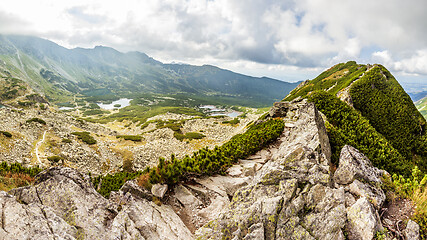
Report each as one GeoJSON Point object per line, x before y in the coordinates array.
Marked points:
{"type": "Point", "coordinates": [137, 191]}
{"type": "Point", "coordinates": [159, 190]}
{"type": "Point", "coordinates": [374, 194]}
{"type": "Point", "coordinates": [186, 198]}
{"type": "Point", "coordinates": [62, 204]}
{"type": "Point", "coordinates": [363, 220]}
{"type": "Point", "coordinates": [412, 231]}
{"type": "Point", "coordinates": [255, 232]}
{"type": "Point", "coordinates": [355, 165]}
{"type": "Point", "coordinates": [32, 221]}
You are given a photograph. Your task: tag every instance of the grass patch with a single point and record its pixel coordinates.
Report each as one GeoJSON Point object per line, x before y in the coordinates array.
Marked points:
{"type": "Point", "coordinates": [414, 188]}
{"type": "Point", "coordinates": [55, 158]}
{"type": "Point", "coordinates": [15, 175]}
{"type": "Point", "coordinates": [94, 112]}
{"type": "Point", "coordinates": [85, 137]}
{"type": "Point", "coordinates": [135, 138]}
{"type": "Point", "coordinates": [331, 80]}
{"type": "Point", "coordinates": [235, 121]}
{"type": "Point", "coordinates": [6, 134]}
{"type": "Point", "coordinates": [41, 121]}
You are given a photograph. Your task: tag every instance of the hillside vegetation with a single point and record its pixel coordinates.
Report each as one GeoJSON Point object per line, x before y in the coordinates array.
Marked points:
{"type": "Point", "coordinates": [346, 126]}
{"type": "Point", "coordinates": [390, 110]}
{"type": "Point", "coordinates": [382, 115]}
{"type": "Point", "coordinates": [332, 80]}
{"type": "Point", "coordinates": [366, 108]}
{"type": "Point", "coordinates": [422, 106]}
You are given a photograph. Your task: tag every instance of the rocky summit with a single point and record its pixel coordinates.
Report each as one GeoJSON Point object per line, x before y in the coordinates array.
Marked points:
{"type": "Point", "coordinates": [287, 191]}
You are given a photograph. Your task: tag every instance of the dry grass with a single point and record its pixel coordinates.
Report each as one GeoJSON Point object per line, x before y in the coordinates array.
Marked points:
{"type": "Point", "coordinates": [336, 75]}
{"type": "Point", "coordinates": [420, 199]}
{"type": "Point", "coordinates": [143, 181]}
{"type": "Point", "coordinates": [13, 180]}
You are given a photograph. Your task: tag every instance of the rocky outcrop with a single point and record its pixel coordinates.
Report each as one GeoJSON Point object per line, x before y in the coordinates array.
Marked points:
{"type": "Point", "coordinates": [294, 195]}
{"type": "Point", "coordinates": [63, 204]}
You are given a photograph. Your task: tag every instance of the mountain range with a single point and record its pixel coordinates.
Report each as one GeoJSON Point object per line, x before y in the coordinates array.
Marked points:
{"type": "Point", "coordinates": [60, 73]}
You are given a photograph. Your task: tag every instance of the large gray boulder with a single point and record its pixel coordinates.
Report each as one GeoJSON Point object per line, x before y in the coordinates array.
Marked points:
{"type": "Point", "coordinates": [159, 190]}
{"type": "Point", "coordinates": [363, 221]}
{"type": "Point", "coordinates": [412, 231]}
{"type": "Point", "coordinates": [63, 204]}
{"type": "Point", "coordinates": [355, 165]}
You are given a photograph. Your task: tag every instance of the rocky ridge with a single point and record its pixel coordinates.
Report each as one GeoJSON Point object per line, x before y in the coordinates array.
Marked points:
{"type": "Point", "coordinates": [286, 191]}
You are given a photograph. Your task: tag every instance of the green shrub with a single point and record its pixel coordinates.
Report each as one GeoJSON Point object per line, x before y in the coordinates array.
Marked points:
{"type": "Point", "coordinates": [6, 134]}
{"type": "Point", "coordinates": [113, 182]}
{"type": "Point", "coordinates": [189, 135]}
{"type": "Point", "coordinates": [41, 121]}
{"type": "Point", "coordinates": [232, 122]}
{"type": "Point", "coordinates": [18, 168]}
{"type": "Point", "coordinates": [390, 110]}
{"type": "Point", "coordinates": [66, 140]}
{"type": "Point", "coordinates": [54, 158]}
{"type": "Point", "coordinates": [26, 103]}
{"type": "Point", "coordinates": [179, 136]}
{"type": "Point", "coordinates": [135, 138]}
{"type": "Point", "coordinates": [348, 127]}
{"type": "Point", "coordinates": [194, 135]}
{"type": "Point", "coordinates": [85, 137]}
{"type": "Point", "coordinates": [414, 188]}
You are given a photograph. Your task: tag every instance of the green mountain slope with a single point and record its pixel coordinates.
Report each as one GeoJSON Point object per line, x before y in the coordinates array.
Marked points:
{"type": "Point", "coordinates": [375, 101]}
{"type": "Point", "coordinates": [422, 106]}
{"type": "Point", "coordinates": [59, 73]}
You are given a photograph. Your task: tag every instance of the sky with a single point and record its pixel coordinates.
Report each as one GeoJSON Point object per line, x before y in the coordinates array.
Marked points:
{"type": "Point", "coordinates": [283, 39]}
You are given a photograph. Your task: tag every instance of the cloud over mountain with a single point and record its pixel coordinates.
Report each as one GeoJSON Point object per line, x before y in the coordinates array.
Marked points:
{"type": "Point", "coordinates": [303, 34]}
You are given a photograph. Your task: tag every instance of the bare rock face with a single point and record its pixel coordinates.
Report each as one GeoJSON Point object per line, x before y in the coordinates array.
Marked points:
{"type": "Point", "coordinates": [62, 203]}
{"type": "Point", "coordinates": [412, 231]}
{"type": "Point", "coordinates": [354, 165]}
{"type": "Point", "coordinates": [159, 190]}
{"type": "Point", "coordinates": [363, 220]}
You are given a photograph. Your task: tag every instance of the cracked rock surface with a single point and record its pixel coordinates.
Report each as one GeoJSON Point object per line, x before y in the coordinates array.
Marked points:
{"type": "Point", "coordinates": [62, 204]}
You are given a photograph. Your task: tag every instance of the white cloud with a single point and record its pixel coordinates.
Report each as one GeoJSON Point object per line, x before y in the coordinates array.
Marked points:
{"type": "Point", "coordinates": [306, 34]}
{"type": "Point", "coordinates": [416, 64]}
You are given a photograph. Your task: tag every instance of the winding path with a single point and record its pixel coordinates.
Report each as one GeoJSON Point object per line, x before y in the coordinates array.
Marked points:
{"type": "Point", "coordinates": [37, 147]}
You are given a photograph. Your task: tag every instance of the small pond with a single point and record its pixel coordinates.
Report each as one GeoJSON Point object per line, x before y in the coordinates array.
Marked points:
{"type": "Point", "coordinates": [66, 108]}
{"type": "Point", "coordinates": [123, 102]}
{"type": "Point", "coordinates": [212, 110]}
